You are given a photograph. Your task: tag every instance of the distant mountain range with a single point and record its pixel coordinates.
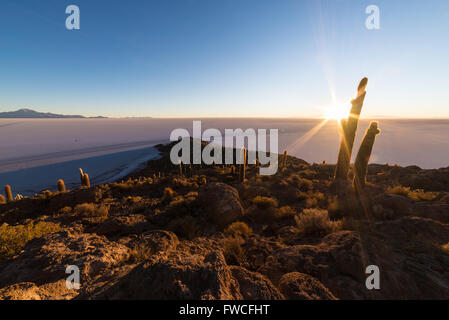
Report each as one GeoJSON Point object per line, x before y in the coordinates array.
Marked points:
{"type": "Point", "coordinates": [31, 114]}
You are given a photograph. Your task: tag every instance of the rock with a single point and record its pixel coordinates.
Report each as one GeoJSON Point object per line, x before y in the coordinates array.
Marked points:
{"type": "Point", "coordinates": [181, 274]}
{"type": "Point", "coordinates": [122, 225]}
{"type": "Point", "coordinates": [161, 240]}
{"type": "Point", "coordinates": [300, 286]}
{"type": "Point", "coordinates": [29, 291]}
{"type": "Point", "coordinates": [254, 286]}
{"type": "Point", "coordinates": [44, 260]}
{"type": "Point", "coordinates": [222, 203]}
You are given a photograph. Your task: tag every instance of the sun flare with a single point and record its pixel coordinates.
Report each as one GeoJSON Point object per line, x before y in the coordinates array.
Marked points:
{"type": "Point", "coordinates": [337, 112]}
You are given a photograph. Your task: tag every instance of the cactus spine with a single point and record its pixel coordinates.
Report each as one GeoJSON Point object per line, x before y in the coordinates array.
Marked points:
{"type": "Point", "coordinates": [284, 159]}
{"type": "Point", "coordinates": [364, 154]}
{"type": "Point", "coordinates": [8, 193]}
{"type": "Point", "coordinates": [349, 129]}
{"type": "Point", "coordinates": [61, 185]}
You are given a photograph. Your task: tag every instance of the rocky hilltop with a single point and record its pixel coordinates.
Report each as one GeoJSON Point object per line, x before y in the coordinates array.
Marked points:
{"type": "Point", "coordinates": [202, 232]}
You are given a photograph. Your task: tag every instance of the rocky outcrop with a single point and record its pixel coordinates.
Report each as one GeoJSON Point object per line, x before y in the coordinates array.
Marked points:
{"type": "Point", "coordinates": [44, 260]}
{"type": "Point", "coordinates": [300, 286]}
{"type": "Point", "coordinates": [254, 286]}
{"type": "Point", "coordinates": [221, 203]}
{"type": "Point", "coordinates": [174, 275]}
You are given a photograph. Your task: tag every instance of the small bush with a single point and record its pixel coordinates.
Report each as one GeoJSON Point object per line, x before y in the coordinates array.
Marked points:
{"type": "Point", "coordinates": [233, 251]}
{"type": "Point", "coordinates": [140, 252]}
{"type": "Point", "coordinates": [301, 183]}
{"type": "Point", "coordinates": [92, 212]}
{"type": "Point", "coordinates": [417, 195]}
{"type": "Point", "coordinates": [238, 229]}
{"type": "Point", "coordinates": [265, 203]}
{"type": "Point", "coordinates": [168, 194]}
{"type": "Point", "coordinates": [316, 222]}
{"type": "Point", "coordinates": [14, 238]}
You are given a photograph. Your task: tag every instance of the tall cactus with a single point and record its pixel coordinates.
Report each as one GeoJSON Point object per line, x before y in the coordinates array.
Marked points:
{"type": "Point", "coordinates": [86, 180]}
{"type": "Point", "coordinates": [8, 193]}
{"type": "Point", "coordinates": [284, 159]}
{"type": "Point", "coordinates": [180, 168]}
{"type": "Point", "coordinates": [349, 128]}
{"type": "Point", "coordinates": [244, 154]}
{"type": "Point", "coordinates": [364, 154]}
{"type": "Point", "coordinates": [2, 199]}
{"type": "Point", "coordinates": [61, 185]}
{"type": "Point", "coordinates": [81, 176]}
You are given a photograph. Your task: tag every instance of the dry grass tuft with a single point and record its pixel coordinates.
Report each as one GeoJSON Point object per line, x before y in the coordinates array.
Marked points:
{"type": "Point", "coordinates": [316, 222]}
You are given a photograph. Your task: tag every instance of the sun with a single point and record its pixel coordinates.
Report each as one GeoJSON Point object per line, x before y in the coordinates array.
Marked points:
{"type": "Point", "coordinates": [337, 111]}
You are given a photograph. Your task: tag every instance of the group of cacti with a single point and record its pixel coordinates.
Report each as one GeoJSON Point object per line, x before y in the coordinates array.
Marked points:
{"type": "Point", "coordinates": [85, 182]}
{"type": "Point", "coordinates": [349, 129]}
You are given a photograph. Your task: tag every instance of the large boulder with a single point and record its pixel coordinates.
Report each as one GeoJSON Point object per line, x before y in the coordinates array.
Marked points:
{"type": "Point", "coordinates": [190, 272]}
{"type": "Point", "coordinates": [255, 286]}
{"type": "Point", "coordinates": [300, 286]}
{"type": "Point", "coordinates": [44, 260]}
{"type": "Point", "coordinates": [221, 202]}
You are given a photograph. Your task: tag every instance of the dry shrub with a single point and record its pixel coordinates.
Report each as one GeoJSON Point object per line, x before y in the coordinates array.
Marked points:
{"type": "Point", "coordinates": [233, 251]}
{"type": "Point", "coordinates": [91, 212]}
{"type": "Point", "coordinates": [238, 228]}
{"type": "Point", "coordinates": [265, 203]}
{"type": "Point", "coordinates": [14, 238]}
{"type": "Point", "coordinates": [65, 211]}
{"type": "Point", "coordinates": [168, 194]}
{"type": "Point", "coordinates": [316, 222]}
{"type": "Point", "coordinates": [301, 183]}
{"type": "Point", "coordinates": [285, 212]}
{"type": "Point", "coordinates": [133, 200]}
{"type": "Point", "coordinates": [140, 252]}
{"type": "Point", "coordinates": [417, 195]}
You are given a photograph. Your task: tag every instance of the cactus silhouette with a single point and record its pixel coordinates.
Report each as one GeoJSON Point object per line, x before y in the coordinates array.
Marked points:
{"type": "Point", "coordinates": [180, 168]}
{"type": "Point", "coordinates": [284, 159]}
{"type": "Point", "coordinates": [349, 129]}
{"type": "Point", "coordinates": [81, 176]}
{"type": "Point", "coordinates": [86, 180]}
{"type": "Point", "coordinates": [364, 154]}
{"type": "Point", "coordinates": [244, 157]}
{"type": "Point", "coordinates": [8, 193]}
{"type": "Point", "coordinates": [2, 199]}
{"type": "Point", "coordinates": [61, 185]}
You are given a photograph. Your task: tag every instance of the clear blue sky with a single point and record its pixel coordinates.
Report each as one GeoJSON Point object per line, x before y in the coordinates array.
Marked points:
{"type": "Point", "coordinates": [283, 58]}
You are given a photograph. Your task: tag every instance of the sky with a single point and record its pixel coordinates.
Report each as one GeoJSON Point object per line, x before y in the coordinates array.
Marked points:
{"type": "Point", "coordinates": [227, 58]}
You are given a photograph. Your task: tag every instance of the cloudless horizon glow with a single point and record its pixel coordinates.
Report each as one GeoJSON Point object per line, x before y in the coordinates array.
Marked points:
{"type": "Point", "coordinates": [210, 58]}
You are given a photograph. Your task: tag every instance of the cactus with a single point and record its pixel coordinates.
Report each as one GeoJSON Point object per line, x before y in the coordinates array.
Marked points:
{"type": "Point", "coordinates": [86, 180]}
{"type": "Point", "coordinates": [284, 159]}
{"type": "Point", "coordinates": [61, 185]}
{"type": "Point", "coordinates": [362, 159]}
{"type": "Point", "coordinates": [349, 129]}
{"type": "Point", "coordinates": [2, 199]}
{"type": "Point", "coordinates": [8, 193]}
{"type": "Point", "coordinates": [81, 176]}
{"type": "Point", "coordinates": [18, 197]}
{"type": "Point", "coordinates": [244, 154]}
{"type": "Point", "coordinates": [180, 168]}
